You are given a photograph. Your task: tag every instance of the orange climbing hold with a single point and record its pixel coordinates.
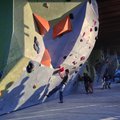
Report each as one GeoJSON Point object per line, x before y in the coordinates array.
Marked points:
{"type": "Point", "coordinates": [62, 27]}
{"type": "Point", "coordinates": [43, 25]}
{"type": "Point", "coordinates": [46, 60]}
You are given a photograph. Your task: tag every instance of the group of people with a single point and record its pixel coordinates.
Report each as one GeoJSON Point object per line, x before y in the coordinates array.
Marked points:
{"type": "Point", "coordinates": [87, 82]}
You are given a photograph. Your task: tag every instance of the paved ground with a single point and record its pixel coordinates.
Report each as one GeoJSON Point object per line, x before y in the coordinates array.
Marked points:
{"type": "Point", "coordinates": [102, 105]}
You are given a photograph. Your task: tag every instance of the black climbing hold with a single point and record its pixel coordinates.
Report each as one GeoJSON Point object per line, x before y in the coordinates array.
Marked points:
{"type": "Point", "coordinates": [1, 74]}
{"type": "Point", "coordinates": [89, 1]}
{"type": "Point", "coordinates": [80, 65]}
{"type": "Point", "coordinates": [30, 67]}
{"type": "Point", "coordinates": [76, 71]}
{"type": "Point", "coordinates": [81, 40]}
{"type": "Point", "coordinates": [34, 86]}
{"type": "Point", "coordinates": [96, 38]}
{"type": "Point", "coordinates": [46, 5]}
{"type": "Point", "coordinates": [64, 57]}
{"type": "Point", "coordinates": [87, 68]}
{"type": "Point", "coordinates": [71, 16]}
{"type": "Point", "coordinates": [74, 63]}
{"type": "Point", "coordinates": [96, 28]}
{"type": "Point", "coordinates": [36, 45]}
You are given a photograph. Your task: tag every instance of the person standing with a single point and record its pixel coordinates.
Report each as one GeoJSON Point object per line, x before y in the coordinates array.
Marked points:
{"type": "Point", "coordinates": [106, 81]}
{"type": "Point", "coordinates": [87, 83]}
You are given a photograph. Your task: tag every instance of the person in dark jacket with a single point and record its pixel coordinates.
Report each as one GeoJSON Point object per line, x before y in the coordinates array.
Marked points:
{"type": "Point", "coordinates": [60, 87]}
{"type": "Point", "coordinates": [87, 83]}
{"type": "Point", "coordinates": [106, 81]}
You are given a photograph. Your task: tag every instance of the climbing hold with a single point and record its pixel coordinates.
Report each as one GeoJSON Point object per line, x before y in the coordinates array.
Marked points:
{"type": "Point", "coordinates": [90, 29]}
{"type": "Point", "coordinates": [96, 38]}
{"type": "Point", "coordinates": [36, 45]}
{"type": "Point", "coordinates": [30, 67]}
{"type": "Point", "coordinates": [61, 69]}
{"type": "Point", "coordinates": [46, 60]}
{"type": "Point", "coordinates": [95, 22]}
{"type": "Point", "coordinates": [80, 65]}
{"type": "Point", "coordinates": [1, 74]}
{"type": "Point", "coordinates": [89, 1]}
{"type": "Point", "coordinates": [34, 86]}
{"type": "Point", "coordinates": [81, 40]}
{"type": "Point", "coordinates": [76, 71]}
{"type": "Point", "coordinates": [70, 54]}
{"type": "Point", "coordinates": [82, 58]}
{"type": "Point", "coordinates": [46, 5]}
{"type": "Point", "coordinates": [83, 34]}
{"type": "Point", "coordinates": [65, 57]}
{"type": "Point", "coordinates": [62, 27]}
{"type": "Point", "coordinates": [74, 63]}
{"type": "Point", "coordinates": [71, 16]}
{"type": "Point", "coordinates": [42, 24]}
{"type": "Point", "coordinates": [96, 28]}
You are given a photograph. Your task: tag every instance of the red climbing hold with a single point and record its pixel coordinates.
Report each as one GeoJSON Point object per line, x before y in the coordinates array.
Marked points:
{"type": "Point", "coordinates": [61, 69]}
{"type": "Point", "coordinates": [95, 22]}
{"type": "Point", "coordinates": [90, 29]}
{"type": "Point", "coordinates": [82, 58]}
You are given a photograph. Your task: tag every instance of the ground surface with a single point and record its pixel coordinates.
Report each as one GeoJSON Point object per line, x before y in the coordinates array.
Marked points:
{"type": "Point", "coordinates": [102, 105]}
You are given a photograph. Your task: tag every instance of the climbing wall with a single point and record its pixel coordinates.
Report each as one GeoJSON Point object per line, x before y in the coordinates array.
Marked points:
{"type": "Point", "coordinates": [66, 45]}
{"type": "Point", "coordinates": [73, 47]}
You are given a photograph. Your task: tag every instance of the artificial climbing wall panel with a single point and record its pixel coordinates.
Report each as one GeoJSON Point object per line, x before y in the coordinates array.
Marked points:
{"type": "Point", "coordinates": [69, 51]}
